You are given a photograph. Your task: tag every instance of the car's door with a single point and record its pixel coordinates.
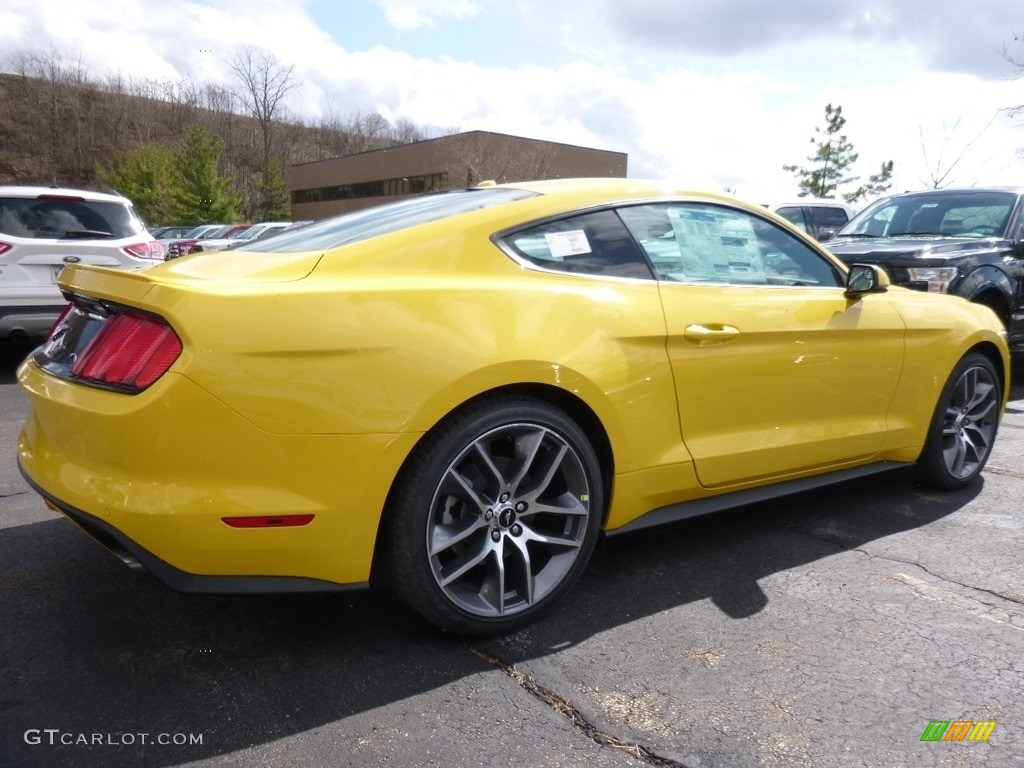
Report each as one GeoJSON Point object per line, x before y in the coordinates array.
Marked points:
{"type": "Point", "coordinates": [776, 370]}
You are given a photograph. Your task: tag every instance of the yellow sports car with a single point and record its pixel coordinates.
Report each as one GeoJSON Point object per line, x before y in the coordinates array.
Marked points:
{"type": "Point", "coordinates": [454, 395]}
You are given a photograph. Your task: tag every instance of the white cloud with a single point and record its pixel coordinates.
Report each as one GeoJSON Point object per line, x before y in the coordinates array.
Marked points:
{"type": "Point", "coordinates": [713, 122]}
{"type": "Point", "coordinates": [411, 14]}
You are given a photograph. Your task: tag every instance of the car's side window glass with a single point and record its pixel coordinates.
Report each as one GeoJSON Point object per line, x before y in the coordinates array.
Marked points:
{"type": "Point", "coordinates": [828, 217]}
{"type": "Point", "coordinates": [794, 215]}
{"type": "Point", "coordinates": [594, 243]}
{"type": "Point", "coordinates": [706, 243]}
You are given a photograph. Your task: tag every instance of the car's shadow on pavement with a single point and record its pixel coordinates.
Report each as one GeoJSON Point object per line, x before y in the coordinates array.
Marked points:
{"type": "Point", "coordinates": [90, 648]}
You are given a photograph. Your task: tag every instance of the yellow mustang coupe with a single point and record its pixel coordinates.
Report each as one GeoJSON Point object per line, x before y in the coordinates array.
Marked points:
{"type": "Point", "coordinates": [454, 395]}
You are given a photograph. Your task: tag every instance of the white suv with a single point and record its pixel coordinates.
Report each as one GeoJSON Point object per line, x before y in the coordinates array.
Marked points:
{"type": "Point", "coordinates": [44, 228]}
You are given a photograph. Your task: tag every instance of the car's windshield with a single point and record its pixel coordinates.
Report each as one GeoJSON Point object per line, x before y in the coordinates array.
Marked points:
{"type": "Point", "coordinates": [203, 230]}
{"type": "Point", "coordinates": [384, 219]}
{"type": "Point", "coordinates": [258, 231]}
{"type": "Point", "coordinates": [965, 213]}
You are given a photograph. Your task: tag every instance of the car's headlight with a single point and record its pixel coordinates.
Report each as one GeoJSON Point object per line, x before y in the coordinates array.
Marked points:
{"type": "Point", "coordinates": [937, 278]}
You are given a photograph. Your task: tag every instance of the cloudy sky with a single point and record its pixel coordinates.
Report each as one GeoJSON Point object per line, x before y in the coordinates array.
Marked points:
{"type": "Point", "coordinates": [713, 93]}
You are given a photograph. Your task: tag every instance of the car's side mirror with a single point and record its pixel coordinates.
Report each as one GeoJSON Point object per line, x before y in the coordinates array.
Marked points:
{"type": "Point", "coordinates": [866, 278]}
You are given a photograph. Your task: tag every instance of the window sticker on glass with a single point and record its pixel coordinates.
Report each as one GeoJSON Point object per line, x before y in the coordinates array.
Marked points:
{"type": "Point", "coordinates": [717, 245]}
{"type": "Point", "coordinates": [564, 244]}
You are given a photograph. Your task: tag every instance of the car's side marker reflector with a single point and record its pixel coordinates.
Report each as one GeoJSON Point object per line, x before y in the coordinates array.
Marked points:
{"type": "Point", "coordinates": [268, 521]}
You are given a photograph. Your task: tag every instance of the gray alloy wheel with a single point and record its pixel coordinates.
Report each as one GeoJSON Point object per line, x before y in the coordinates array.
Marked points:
{"type": "Point", "coordinates": [507, 519]}
{"type": "Point", "coordinates": [495, 516]}
{"type": "Point", "coordinates": [964, 425]}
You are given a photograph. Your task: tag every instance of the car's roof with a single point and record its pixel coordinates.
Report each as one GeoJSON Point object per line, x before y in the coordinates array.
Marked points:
{"type": "Point", "coordinates": [812, 201]}
{"type": "Point", "coordinates": [33, 192]}
{"type": "Point", "coordinates": [587, 191]}
{"type": "Point", "coordinates": [610, 186]}
{"type": "Point", "coordinates": [958, 191]}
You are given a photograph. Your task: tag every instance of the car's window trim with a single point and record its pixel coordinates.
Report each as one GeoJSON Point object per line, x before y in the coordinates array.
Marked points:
{"type": "Point", "coordinates": [500, 238]}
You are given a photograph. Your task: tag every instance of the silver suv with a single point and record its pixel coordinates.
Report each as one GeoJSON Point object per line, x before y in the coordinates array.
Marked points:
{"type": "Point", "coordinates": [44, 228]}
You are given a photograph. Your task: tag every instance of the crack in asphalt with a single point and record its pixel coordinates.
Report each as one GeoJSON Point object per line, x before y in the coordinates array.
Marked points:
{"type": "Point", "coordinates": [563, 707]}
{"type": "Point", "coordinates": [1003, 471]}
{"type": "Point", "coordinates": [1008, 596]}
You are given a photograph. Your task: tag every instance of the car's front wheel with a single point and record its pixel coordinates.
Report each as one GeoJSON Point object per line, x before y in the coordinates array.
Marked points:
{"type": "Point", "coordinates": [495, 516]}
{"type": "Point", "coordinates": [963, 426]}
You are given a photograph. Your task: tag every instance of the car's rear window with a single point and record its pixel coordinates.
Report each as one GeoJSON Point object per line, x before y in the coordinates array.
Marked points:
{"type": "Point", "coordinates": [66, 219]}
{"type": "Point", "coordinates": [384, 219]}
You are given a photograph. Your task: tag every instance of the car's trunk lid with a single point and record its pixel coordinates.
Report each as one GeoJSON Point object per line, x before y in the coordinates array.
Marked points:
{"type": "Point", "coordinates": [203, 272]}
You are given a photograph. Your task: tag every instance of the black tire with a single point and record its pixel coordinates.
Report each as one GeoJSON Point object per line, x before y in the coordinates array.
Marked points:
{"type": "Point", "coordinates": [494, 516]}
{"type": "Point", "coordinates": [963, 426]}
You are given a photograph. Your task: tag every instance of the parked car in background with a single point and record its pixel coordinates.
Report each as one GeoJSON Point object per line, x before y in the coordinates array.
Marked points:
{"type": "Point", "coordinates": [193, 234]}
{"type": "Point", "coordinates": [186, 245]}
{"type": "Point", "coordinates": [167, 235]}
{"type": "Point", "coordinates": [42, 229]}
{"type": "Point", "coordinates": [819, 217]}
{"type": "Point", "coordinates": [967, 242]}
{"type": "Point", "coordinates": [170, 233]}
{"type": "Point", "coordinates": [453, 396]}
{"type": "Point", "coordinates": [252, 233]}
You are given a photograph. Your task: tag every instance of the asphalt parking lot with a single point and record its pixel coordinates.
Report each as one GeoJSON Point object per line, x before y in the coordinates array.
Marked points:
{"type": "Point", "coordinates": [827, 629]}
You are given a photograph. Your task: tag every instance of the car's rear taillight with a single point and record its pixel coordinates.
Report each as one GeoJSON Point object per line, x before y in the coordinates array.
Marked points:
{"type": "Point", "coordinates": [4, 248]}
{"type": "Point", "coordinates": [148, 250]}
{"type": "Point", "coordinates": [128, 352]}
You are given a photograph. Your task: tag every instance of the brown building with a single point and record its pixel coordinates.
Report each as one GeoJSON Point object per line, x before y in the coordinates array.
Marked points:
{"type": "Point", "coordinates": [341, 184]}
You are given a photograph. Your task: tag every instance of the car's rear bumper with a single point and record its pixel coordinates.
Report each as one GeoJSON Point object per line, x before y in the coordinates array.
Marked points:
{"type": "Point", "coordinates": [153, 476]}
{"type": "Point", "coordinates": [137, 557]}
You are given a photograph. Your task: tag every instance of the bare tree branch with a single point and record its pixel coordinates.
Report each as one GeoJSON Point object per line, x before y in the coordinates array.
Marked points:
{"type": "Point", "coordinates": [938, 176]}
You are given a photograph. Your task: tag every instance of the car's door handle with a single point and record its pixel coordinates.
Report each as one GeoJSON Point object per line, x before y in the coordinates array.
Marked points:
{"type": "Point", "coordinates": [711, 332]}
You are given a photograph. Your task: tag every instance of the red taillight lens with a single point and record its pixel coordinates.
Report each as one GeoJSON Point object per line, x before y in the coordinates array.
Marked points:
{"type": "Point", "coordinates": [130, 351]}
{"type": "Point", "coordinates": [4, 248]}
{"type": "Point", "coordinates": [148, 250]}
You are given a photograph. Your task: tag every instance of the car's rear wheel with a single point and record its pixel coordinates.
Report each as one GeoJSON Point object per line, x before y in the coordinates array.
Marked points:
{"type": "Point", "coordinates": [495, 516]}
{"type": "Point", "coordinates": [964, 425]}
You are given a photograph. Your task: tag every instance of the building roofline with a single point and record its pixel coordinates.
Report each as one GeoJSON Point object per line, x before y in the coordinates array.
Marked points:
{"type": "Point", "coordinates": [451, 136]}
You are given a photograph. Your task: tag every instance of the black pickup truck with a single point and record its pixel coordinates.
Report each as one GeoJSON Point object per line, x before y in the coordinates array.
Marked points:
{"type": "Point", "coordinates": [967, 242]}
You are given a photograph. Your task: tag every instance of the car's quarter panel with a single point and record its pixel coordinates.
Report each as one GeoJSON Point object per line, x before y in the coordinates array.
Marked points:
{"type": "Point", "coordinates": [395, 347]}
{"type": "Point", "coordinates": [804, 381]}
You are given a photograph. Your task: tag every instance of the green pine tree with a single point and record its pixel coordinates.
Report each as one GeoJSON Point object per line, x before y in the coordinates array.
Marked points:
{"type": "Point", "coordinates": [148, 176]}
{"type": "Point", "coordinates": [878, 184]}
{"type": "Point", "coordinates": [273, 200]}
{"type": "Point", "coordinates": [833, 155]}
{"type": "Point", "coordinates": [829, 165]}
{"type": "Point", "coordinates": [204, 194]}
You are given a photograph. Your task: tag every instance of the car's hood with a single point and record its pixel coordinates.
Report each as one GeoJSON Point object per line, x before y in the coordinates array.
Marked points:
{"type": "Point", "coordinates": [882, 249]}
